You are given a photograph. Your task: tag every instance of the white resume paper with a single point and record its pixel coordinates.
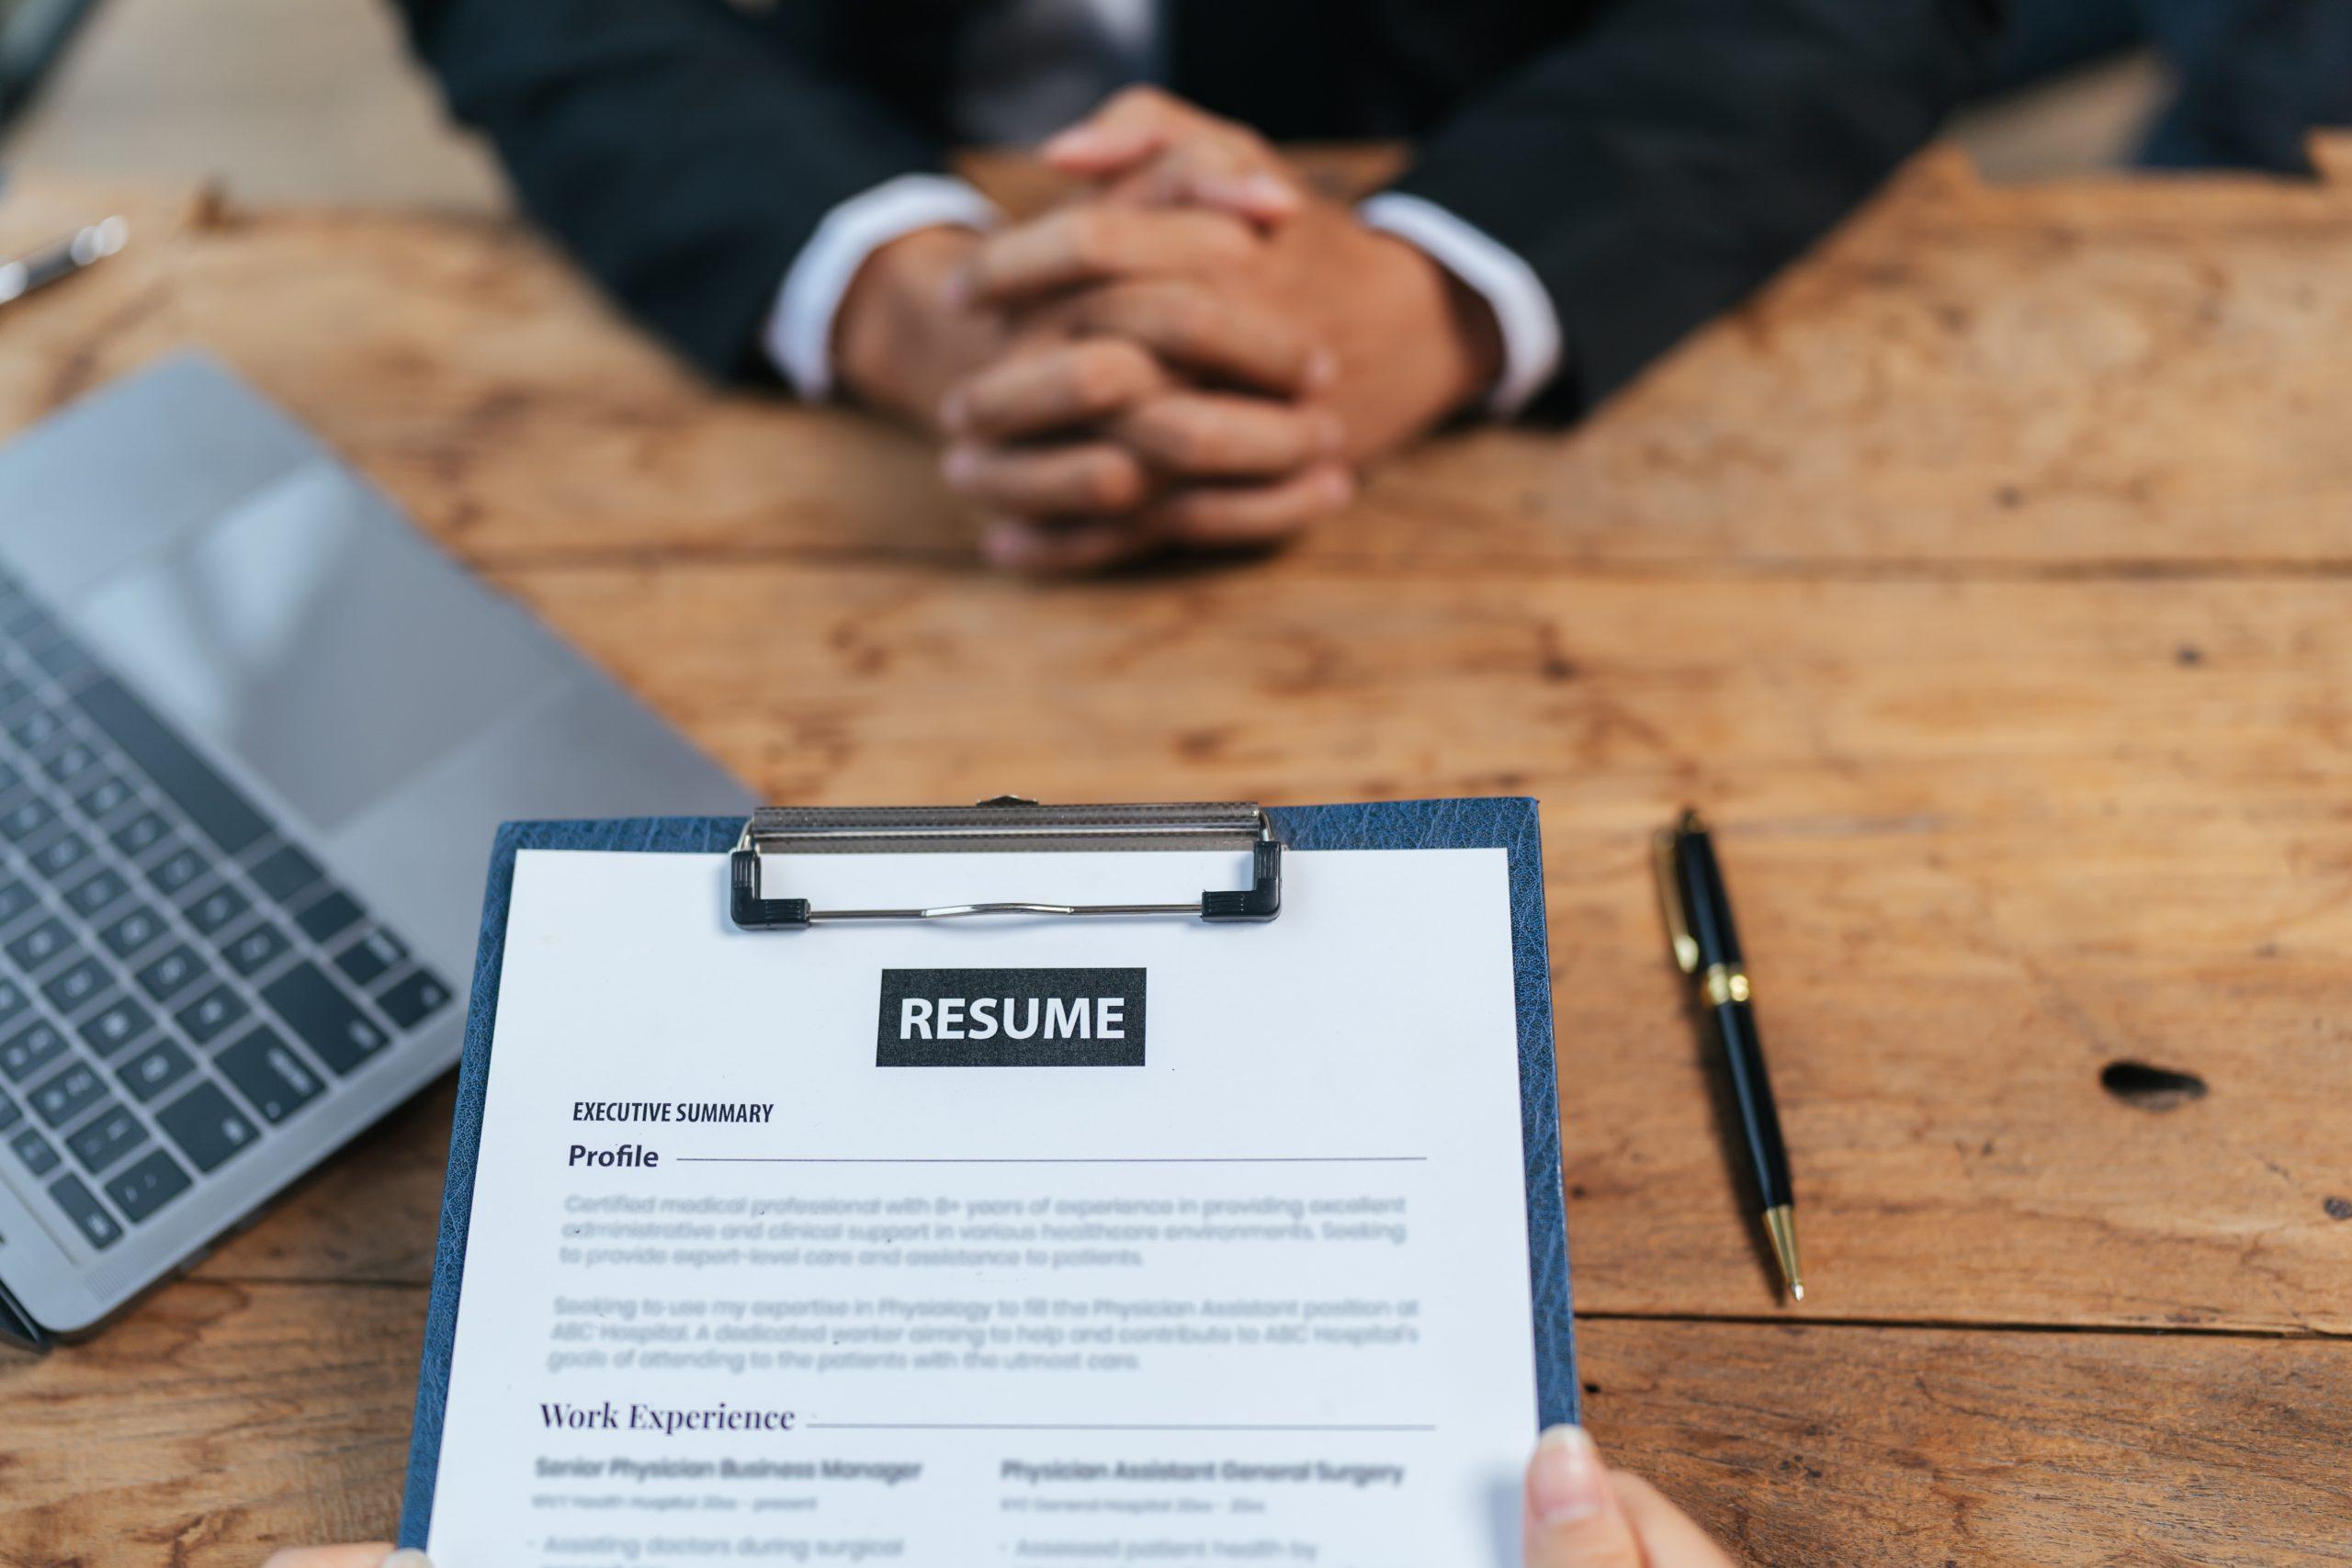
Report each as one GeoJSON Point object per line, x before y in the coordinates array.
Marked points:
{"type": "Point", "coordinates": [1003, 1242]}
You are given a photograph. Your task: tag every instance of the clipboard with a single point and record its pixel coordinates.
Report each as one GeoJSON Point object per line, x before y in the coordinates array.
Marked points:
{"type": "Point", "coordinates": [1510, 824]}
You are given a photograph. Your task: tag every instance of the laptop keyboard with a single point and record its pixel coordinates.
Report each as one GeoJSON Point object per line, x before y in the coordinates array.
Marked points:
{"type": "Point", "coordinates": [176, 979]}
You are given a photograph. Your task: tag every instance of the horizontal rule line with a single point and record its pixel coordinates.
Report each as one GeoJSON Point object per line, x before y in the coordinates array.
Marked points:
{"type": "Point", "coordinates": [1105, 1159]}
{"type": "Point", "coordinates": [1100, 1426]}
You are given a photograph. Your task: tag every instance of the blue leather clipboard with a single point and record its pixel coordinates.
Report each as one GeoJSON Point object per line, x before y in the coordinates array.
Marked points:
{"type": "Point", "coordinates": [1507, 824]}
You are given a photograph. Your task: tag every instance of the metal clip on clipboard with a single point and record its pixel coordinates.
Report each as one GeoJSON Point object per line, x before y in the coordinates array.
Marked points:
{"type": "Point", "coordinates": [1006, 823]}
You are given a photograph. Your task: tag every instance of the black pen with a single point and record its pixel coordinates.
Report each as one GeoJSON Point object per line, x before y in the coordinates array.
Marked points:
{"type": "Point", "coordinates": [1706, 948]}
{"type": "Point", "coordinates": [84, 247]}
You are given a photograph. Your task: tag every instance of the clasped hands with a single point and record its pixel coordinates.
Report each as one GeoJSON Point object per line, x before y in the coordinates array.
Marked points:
{"type": "Point", "coordinates": [1195, 354]}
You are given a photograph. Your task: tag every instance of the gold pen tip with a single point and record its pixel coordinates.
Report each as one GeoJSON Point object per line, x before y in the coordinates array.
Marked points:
{"type": "Point", "coordinates": [1781, 1225]}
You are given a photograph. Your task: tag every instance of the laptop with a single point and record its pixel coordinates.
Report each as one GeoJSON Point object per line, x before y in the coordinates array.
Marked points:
{"type": "Point", "coordinates": [255, 736]}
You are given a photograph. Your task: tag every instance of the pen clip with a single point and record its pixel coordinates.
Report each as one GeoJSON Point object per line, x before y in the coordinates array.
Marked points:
{"type": "Point", "coordinates": [1664, 843]}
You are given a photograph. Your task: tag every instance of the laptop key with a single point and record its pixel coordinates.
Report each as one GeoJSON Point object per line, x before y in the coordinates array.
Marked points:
{"type": "Point", "coordinates": [205, 1018]}
{"type": "Point", "coordinates": [15, 898]}
{"type": "Point", "coordinates": [335, 913]}
{"type": "Point", "coordinates": [28, 622]}
{"type": "Point", "coordinates": [268, 1072]}
{"type": "Point", "coordinates": [103, 795]}
{"type": "Point", "coordinates": [325, 1017]}
{"type": "Point", "coordinates": [40, 1157]}
{"type": "Point", "coordinates": [10, 1113]}
{"type": "Point", "coordinates": [89, 1216]}
{"type": "Point", "coordinates": [413, 999]}
{"type": "Point", "coordinates": [211, 801]}
{"type": "Point", "coordinates": [155, 1069]}
{"type": "Point", "coordinates": [118, 1023]}
{"type": "Point", "coordinates": [77, 984]}
{"type": "Point", "coordinates": [176, 868]}
{"type": "Point", "coordinates": [171, 974]}
{"type": "Point", "coordinates": [33, 627]}
{"type": "Point", "coordinates": [25, 818]}
{"type": "Point", "coordinates": [29, 1050]}
{"type": "Point", "coordinates": [36, 728]}
{"type": "Point", "coordinates": [39, 945]}
{"type": "Point", "coordinates": [72, 761]}
{"type": "Point", "coordinates": [138, 834]}
{"type": "Point", "coordinates": [68, 1094]}
{"type": "Point", "coordinates": [207, 1126]}
{"type": "Point", "coordinates": [133, 932]}
{"type": "Point", "coordinates": [95, 893]}
{"type": "Point", "coordinates": [61, 854]}
{"type": "Point", "coordinates": [372, 956]}
{"type": "Point", "coordinates": [14, 999]}
{"type": "Point", "coordinates": [147, 1186]}
{"type": "Point", "coordinates": [285, 872]}
{"type": "Point", "coordinates": [216, 909]}
{"type": "Point", "coordinates": [250, 952]}
{"type": "Point", "coordinates": [61, 658]}
{"type": "Point", "coordinates": [104, 1139]}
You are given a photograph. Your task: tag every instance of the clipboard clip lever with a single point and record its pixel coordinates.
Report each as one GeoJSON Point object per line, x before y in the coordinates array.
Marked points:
{"type": "Point", "coordinates": [1005, 823]}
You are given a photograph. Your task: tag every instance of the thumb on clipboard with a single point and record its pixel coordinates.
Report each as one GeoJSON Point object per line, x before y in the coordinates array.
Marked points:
{"type": "Point", "coordinates": [1581, 1514]}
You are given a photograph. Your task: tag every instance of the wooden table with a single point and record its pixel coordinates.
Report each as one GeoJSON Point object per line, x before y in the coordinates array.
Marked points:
{"type": "Point", "coordinates": [1987, 579]}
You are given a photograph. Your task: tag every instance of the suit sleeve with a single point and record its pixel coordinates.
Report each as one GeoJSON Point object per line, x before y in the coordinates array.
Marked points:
{"type": "Point", "coordinates": [1660, 164]}
{"type": "Point", "coordinates": [681, 152]}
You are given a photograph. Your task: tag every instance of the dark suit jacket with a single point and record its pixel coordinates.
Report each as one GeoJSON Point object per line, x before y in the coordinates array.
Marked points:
{"type": "Point", "coordinates": [1652, 160]}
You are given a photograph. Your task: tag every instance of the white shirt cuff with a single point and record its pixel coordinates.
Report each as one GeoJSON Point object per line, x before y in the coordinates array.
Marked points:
{"type": "Point", "coordinates": [799, 331]}
{"type": "Point", "coordinates": [1531, 327]}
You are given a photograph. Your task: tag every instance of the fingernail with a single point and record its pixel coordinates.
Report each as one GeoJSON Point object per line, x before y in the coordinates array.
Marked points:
{"type": "Point", "coordinates": [1260, 198]}
{"type": "Point", "coordinates": [1005, 546]}
{"type": "Point", "coordinates": [407, 1557]}
{"type": "Point", "coordinates": [958, 464]}
{"type": "Point", "coordinates": [1340, 486]}
{"type": "Point", "coordinates": [1322, 370]}
{"type": "Point", "coordinates": [951, 412]}
{"type": "Point", "coordinates": [1075, 142]}
{"type": "Point", "coordinates": [1269, 190]}
{"type": "Point", "coordinates": [1565, 1481]}
{"type": "Point", "coordinates": [957, 289]}
{"type": "Point", "coordinates": [1331, 431]}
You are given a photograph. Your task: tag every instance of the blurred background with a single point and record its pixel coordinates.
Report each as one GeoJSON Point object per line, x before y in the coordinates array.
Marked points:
{"type": "Point", "coordinates": [317, 101]}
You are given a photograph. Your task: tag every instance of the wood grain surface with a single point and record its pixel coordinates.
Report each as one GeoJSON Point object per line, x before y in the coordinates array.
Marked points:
{"type": "Point", "coordinates": [1986, 580]}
